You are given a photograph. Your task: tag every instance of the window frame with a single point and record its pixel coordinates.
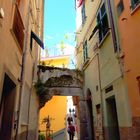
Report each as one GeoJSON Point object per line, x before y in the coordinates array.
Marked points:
{"type": "Point", "coordinates": [18, 27]}
{"type": "Point", "coordinates": [83, 11]}
{"type": "Point", "coordinates": [134, 4]}
{"type": "Point", "coordinates": [85, 51]}
{"type": "Point", "coordinates": [120, 7]}
{"type": "Point", "coordinates": [100, 17]}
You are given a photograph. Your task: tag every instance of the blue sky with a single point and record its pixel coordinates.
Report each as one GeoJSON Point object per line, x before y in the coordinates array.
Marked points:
{"type": "Point", "coordinates": [59, 21]}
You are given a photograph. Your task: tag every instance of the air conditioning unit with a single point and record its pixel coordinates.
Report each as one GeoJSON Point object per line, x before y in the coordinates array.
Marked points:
{"type": "Point", "coordinates": [1, 13]}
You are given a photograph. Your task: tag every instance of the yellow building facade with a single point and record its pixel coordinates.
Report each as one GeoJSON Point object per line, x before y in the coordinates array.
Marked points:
{"type": "Point", "coordinates": [61, 61]}
{"type": "Point", "coordinates": [56, 108]}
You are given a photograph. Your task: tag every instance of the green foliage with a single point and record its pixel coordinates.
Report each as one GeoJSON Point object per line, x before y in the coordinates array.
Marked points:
{"type": "Point", "coordinates": [62, 46]}
{"type": "Point", "coordinates": [41, 89]}
{"type": "Point", "coordinates": [41, 137]}
{"type": "Point", "coordinates": [66, 36]}
{"type": "Point", "coordinates": [50, 136]}
{"type": "Point", "coordinates": [42, 92]}
{"type": "Point", "coordinates": [39, 86]}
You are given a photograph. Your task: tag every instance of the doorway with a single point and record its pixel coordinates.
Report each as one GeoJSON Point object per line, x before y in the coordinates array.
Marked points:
{"type": "Point", "coordinates": [90, 115]}
{"type": "Point", "coordinates": [112, 119]}
{"type": "Point", "coordinates": [7, 108]}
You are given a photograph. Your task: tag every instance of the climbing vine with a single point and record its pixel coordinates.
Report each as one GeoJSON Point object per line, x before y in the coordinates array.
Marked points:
{"type": "Point", "coordinates": [42, 92]}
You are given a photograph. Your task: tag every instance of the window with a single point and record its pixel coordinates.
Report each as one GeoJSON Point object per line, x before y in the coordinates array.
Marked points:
{"type": "Point", "coordinates": [85, 51]}
{"type": "Point", "coordinates": [138, 79]}
{"type": "Point", "coordinates": [120, 7]}
{"type": "Point", "coordinates": [83, 13]}
{"type": "Point", "coordinates": [18, 27]}
{"type": "Point", "coordinates": [93, 32]}
{"type": "Point", "coordinates": [134, 3]}
{"type": "Point", "coordinates": [18, 2]}
{"type": "Point", "coordinates": [102, 22]}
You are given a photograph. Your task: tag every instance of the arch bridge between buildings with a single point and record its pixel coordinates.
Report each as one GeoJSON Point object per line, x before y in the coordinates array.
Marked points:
{"type": "Point", "coordinates": [58, 81]}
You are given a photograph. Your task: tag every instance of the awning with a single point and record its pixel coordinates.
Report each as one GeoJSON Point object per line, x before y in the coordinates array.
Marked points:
{"type": "Point", "coordinates": [36, 38]}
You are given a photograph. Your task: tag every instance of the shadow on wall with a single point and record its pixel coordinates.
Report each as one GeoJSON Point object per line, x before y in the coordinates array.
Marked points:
{"type": "Point", "coordinates": [31, 135]}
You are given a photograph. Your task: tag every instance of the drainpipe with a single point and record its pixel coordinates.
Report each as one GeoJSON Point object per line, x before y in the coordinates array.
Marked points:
{"type": "Point", "coordinates": [33, 71]}
{"type": "Point", "coordinates": [114, 38]}
{"type": "Point", "coordinates": [21, 80]}
{"type": "Point", "coordinates": [30, 101]}
{"type": "Point", "coordinates": [117, 49]}
{"type": "Point", "coordinates": [101, 95]}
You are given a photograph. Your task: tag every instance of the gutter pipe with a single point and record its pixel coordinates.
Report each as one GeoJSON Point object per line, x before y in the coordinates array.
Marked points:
{"type": "Point", "coordinates": [23, 70]}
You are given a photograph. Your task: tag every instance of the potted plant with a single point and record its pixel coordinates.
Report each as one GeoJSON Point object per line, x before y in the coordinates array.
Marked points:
{"type": "Point", "coordinates": [50, 137]}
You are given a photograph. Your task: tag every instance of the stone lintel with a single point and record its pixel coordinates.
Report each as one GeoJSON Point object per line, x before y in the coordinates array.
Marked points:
{"type": "Point", "coordinates": [62, 91]}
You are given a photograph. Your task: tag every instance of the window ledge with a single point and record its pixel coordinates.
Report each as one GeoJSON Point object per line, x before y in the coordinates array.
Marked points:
{"type": "Point", "coordinates": [135, 9]}
{"type": "Point", "coordinates": [86, 63]}
{"type": "Point", "coordinates": [107, 34]}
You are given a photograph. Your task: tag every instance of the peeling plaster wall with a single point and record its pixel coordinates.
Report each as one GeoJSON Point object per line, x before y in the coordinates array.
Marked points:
{"type": "Point", "coordinates": [33, 117]}
{"type": "Point", "coordinates": [57, 72]}
{"type": "Point", "coordinates": [58, 81]}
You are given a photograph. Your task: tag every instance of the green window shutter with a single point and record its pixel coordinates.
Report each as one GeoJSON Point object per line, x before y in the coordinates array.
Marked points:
{"type": "Point", "coordinates": [134, 3]}
{"type": "Point", "coordinates": [102, 22]}
{"type": "Point", "coordinates": [85, 51]}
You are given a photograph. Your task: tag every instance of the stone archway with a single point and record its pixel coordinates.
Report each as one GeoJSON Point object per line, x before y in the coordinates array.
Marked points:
{"type": "Point", "coordinates": [58, 81]}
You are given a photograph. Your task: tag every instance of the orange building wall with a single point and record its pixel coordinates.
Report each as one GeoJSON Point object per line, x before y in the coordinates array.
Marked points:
{"type": "Point", "coordinates": [56, 109]}
{"type": "Point", "coordinates": [129, 29]}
